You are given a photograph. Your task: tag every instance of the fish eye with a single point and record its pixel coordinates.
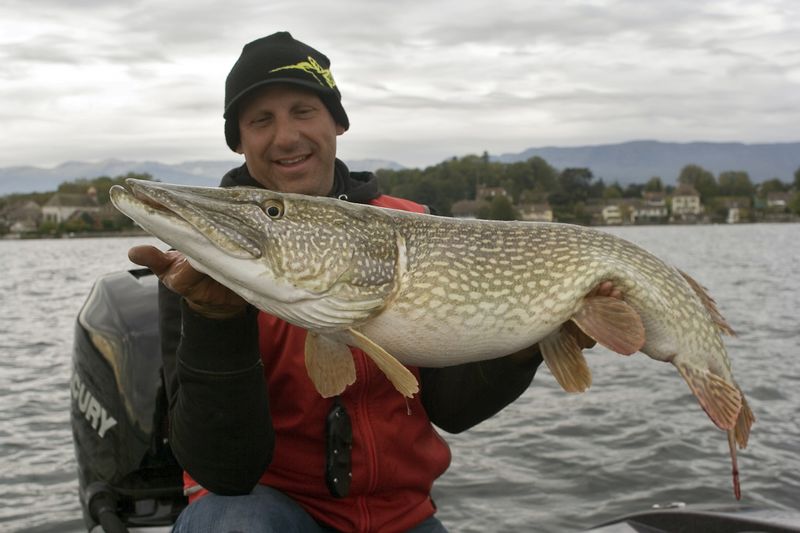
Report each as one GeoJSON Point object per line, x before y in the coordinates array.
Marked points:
{"type": "Point", "coordinates": [273, 209]}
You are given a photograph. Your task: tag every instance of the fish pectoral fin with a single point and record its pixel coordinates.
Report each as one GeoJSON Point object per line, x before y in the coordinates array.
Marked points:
{"type": "Point", "coordinates": [565, 360]}
{"type": "Point", "coordinates": [401, 377]}
{"type": "Point", "coordinates": [709, 304]}
{"type": "Point", "coordinates": [611, 322]}
{"type": "Point", "coordinates": [721, 400]}
{"type": "Point", "coordinates": [329, 364]}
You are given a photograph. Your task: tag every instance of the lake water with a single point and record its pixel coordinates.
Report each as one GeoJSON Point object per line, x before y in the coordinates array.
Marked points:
{"type": "Point", "coordinates": [551, 461]}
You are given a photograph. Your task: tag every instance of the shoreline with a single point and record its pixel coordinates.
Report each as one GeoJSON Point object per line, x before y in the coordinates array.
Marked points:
{"type": "Point", "coordinates": [82, 235]}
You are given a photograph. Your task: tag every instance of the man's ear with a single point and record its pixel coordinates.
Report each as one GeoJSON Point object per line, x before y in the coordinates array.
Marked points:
{"type": "Point", "coordinates": [339, 129]}
{"type": "Point", "coordinates": [239, 149]}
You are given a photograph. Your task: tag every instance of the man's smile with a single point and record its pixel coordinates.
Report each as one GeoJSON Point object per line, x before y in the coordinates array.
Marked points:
{"type": "Point", "coordinates": [292, 161]}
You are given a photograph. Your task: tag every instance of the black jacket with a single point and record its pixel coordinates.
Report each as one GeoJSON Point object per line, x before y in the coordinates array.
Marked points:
{"type": "Point", "coordinates": [220, 424]}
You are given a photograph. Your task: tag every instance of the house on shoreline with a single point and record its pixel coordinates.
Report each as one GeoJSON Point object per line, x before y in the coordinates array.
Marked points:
{"type": "Point", "coordinates": [652, 208]}
{"type": "Point", "coordinates": [22, 217]}
{"type": "Point", "coordinates": [70, 212]}
{"type": "Point", "coordinates": [686, 205]}
{"type": "Point", "coordinates": [536, 212]}
{"type": "Point", "coordinates": [63, 206]}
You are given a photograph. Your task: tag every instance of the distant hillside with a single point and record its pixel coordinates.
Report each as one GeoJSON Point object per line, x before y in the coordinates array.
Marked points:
{"type": "Point", "coordinates": [36, 179]}
{"type": "Point", "coordinates": [630, 162]}
{"type": "Point", "coordinates": [638, 161]}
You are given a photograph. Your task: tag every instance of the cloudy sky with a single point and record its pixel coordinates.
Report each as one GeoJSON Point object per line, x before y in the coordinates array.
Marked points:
{"type": "Point", "coordinates": [421, 80]}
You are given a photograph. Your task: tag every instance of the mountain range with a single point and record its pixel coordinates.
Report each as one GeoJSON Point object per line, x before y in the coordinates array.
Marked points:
{"type": "Point", "coordinates": [638, 161]}
{"type": "Point", "coordinates": [630, 162]}
{"type": "Point", "coordinates": [23, 179]}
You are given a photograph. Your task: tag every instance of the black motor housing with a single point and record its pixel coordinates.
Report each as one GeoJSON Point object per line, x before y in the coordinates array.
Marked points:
{"type": "Point", "coordinates": [126, 470]}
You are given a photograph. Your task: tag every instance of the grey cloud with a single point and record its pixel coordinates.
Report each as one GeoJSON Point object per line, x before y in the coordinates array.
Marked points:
{"type": "Point", "coordinates": [613, 68]}
{"type": "Point", "coordinates": [63, 49]}
{"type": "Point", "coordinates": [44, 49]}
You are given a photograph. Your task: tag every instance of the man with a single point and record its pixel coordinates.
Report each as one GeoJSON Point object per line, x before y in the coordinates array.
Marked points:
{"type": "Point", "coordinates": [261, 450]}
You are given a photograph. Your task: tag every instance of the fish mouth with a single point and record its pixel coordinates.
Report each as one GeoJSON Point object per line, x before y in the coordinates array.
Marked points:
{"type": "Point", "coordinates": [229, 225]}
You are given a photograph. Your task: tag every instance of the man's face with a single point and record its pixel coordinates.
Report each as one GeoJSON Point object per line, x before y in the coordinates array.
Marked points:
{"type": "Point", "coordinates": [288, 139]}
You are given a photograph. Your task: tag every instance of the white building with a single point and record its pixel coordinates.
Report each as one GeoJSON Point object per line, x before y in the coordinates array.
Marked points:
{"type": "Point", "coordinates": [651, 209]}
{"type": "Point", "coordinates": [612, 215]}
{"type": "Point", "coordinates": [686, 203]}
{"type": "Point", "coordinates": [536, 212]}
{"type": "Point", "coordinates": [61, 206]}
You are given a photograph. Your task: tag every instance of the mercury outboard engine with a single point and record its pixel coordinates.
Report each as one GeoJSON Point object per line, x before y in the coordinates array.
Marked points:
{"type": "Point", "coordinates": [128, 477]}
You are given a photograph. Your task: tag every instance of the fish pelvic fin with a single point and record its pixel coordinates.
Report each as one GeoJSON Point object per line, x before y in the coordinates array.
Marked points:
{"type": "Point", "coordinates": [329, 364]}
{"type": "Point", "coordinates": [400, 376]}
{"type": "Point", "coordinates": [709, 304]}
{"type": "Point", "coordinates": [721, 400]}
{"type": "Point", "coordinates": [611, 322]}
{"type": "Point", "coordinates": [564, 358]}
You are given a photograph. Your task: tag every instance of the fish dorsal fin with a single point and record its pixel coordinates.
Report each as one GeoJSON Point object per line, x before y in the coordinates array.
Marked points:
{"type": "Point", "coordinates": [709, 304]}
{"type": "Point", "coordinates": [329, 364]}
{"type": "Point", "coordinates": [401, 377]}
{"type": "Point", "coordinates": [720, 400]}
{"type": "Point", "coordinates": [611, 322]}
{"type": "Point", "coordinates": [565, 360]}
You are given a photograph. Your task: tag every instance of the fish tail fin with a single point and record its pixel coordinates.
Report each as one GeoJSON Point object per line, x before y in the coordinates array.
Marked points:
{"type": "Point", "coordinates": [737, 489]}
{"type": "Point", "coordinates": [565, 360]}
{"type": "Point", "coordinates": [743, 423]}
{"type": "Point", "coordinates": [329, 364]}
{"type": "Point", "coordinates": [720, 400]}
{"type": "Point", "coordinates": [739, 435]}
{"type": "Point", "coordinates": [709, 304]}
{"type": "Point", "coordinates": [611, 322]}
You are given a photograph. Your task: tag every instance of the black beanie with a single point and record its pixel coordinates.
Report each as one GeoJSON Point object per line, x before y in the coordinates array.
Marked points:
{"type": "Point", "coordinates": [279, 58]}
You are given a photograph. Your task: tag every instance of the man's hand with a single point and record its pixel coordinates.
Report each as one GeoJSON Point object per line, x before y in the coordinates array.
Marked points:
{"type": "Point", "coordinates": [606, 288]}
{"type": "Point", "coordinates": [203, 294]}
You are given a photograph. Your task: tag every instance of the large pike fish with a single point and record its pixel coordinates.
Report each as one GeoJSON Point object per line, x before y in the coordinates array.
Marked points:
{"type": "Point", "coordinates": [432, 291]}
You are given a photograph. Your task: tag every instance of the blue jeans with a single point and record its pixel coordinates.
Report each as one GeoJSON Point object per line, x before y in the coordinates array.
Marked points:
{"type": "Point", "coordinates": [265, 510]}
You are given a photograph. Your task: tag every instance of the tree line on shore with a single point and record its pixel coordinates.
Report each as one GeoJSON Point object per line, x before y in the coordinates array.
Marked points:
{"type": "Point", "coordinates": [567, 191]}
{"type": "Point", "coordinates": [534, 181]}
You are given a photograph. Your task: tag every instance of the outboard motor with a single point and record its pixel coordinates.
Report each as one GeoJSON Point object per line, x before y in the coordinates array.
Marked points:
{"type": "Point", "coordinates": [128, 477]}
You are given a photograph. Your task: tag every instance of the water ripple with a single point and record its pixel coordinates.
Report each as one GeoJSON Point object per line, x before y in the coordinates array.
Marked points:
{"type": "Point", "coordinates": [551, 461]}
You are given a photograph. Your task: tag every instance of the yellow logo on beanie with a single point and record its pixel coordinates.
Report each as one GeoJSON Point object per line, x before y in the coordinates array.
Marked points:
{"type": "Point", "coordinates": [322, 75]}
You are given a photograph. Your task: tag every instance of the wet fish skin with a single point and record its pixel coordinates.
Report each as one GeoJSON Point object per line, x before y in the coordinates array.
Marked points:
{"type": "Point", "coordinates": [434, 291]}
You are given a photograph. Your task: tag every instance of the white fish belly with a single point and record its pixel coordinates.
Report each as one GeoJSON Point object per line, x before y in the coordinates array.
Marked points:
{"type": "Point", "coordinates": [433, 342]}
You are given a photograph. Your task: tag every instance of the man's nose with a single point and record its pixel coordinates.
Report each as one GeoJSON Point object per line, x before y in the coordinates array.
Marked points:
{"type": "Point", "coordinates": [286, 132]}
